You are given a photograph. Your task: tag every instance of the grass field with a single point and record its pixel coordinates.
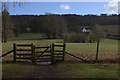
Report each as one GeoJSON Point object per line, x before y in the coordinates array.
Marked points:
{"type": "Point", "coordinates": [64, 69]}
{"type": "Point", "coordinates": [106, 46]}
{"type": "Point", "coordinates": [29, 36]}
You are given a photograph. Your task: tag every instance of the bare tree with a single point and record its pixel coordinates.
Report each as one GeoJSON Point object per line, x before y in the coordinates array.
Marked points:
{"type": "Point", "coordinates": [5, 19]}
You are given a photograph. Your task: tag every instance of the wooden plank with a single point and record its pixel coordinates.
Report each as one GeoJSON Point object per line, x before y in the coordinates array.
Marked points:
{"type": "Point", "coordinates": [24, 57]}
{"type": "Point", "coordinates": [58, 58]}
{"type": "Point", "coordinates": [23, 49]}
{"type": "Point", "coordinates": [24, 54]}
{"type": "Point", "coordinates": [58, 45]}
{"type": "Point", "coordinates": [6, 53]}
{"type": "Point", "coordinates": [42, 52]}
{"type": "Point", "coordinates": [42, 47]}
{"type": "Point", "coordinates": [58, 53]}
{"type": "Point", "coordinates": [46, 55]}
{"type": "Point", "coordinates": [58, 50]}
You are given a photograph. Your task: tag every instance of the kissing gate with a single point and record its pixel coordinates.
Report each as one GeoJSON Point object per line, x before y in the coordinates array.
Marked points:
{"type": "Point", "coordinates": [29, 52]}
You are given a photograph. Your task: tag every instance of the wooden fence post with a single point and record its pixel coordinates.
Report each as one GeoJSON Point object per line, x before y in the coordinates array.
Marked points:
{"type": "Point", "coordinates": [52, 53]}
{"type": "Point", "coordinates": [63, 51]}
{"type": "Point", "coordinates": [14, 52]}
{"type": "Point", "coordinates": [97, 51]}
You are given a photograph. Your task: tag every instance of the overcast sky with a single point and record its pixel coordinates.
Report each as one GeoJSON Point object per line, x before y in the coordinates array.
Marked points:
{"type": "Point", "coordinates": [81, 8]}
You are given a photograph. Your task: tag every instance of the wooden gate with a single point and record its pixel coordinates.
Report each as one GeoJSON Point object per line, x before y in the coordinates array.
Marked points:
{"type": "Point", "coordinates": [50, 54]}
{"type": "Point", "coordinates": [23, 52]}
{"type": "Point", "coordinates": [43, 54]}
{"type": "Point", "coordinates": [28, 52]}
{"type": "Point", "coordinates": [58, 52]}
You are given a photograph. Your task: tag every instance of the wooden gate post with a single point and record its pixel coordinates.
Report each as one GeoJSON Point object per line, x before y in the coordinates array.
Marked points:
{"type": "Point", "coordinates": [52, 53]}
{"type": "Point", "coordinates": [63, 51]}
{"type": "Point", "coordinates": [33, 53]}
{"type": "Point", "coordinates": [14, 52]}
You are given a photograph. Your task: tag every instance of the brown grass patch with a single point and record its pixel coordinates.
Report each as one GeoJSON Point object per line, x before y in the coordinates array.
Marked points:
{"type": "Point", "coordinates": [103, 58]}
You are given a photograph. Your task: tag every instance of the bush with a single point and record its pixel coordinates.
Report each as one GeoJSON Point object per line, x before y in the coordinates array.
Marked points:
{"type": "Point", "coordinates": [76, 38]}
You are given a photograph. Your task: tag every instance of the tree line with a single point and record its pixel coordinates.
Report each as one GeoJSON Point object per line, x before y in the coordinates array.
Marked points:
{"type": "Point", "coordinates": [55, 25]}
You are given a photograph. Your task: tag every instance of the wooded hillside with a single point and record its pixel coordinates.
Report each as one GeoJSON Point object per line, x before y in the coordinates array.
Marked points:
{"type": "Point", "coordinates": [71, 22]}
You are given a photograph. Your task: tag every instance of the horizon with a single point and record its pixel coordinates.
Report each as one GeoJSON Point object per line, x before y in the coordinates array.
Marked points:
{"type": "Point", "coordinates": [63, 14]}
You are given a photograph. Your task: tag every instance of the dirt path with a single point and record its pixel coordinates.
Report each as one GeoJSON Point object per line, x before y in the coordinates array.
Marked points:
{"type": "Point", "coordinates": [42, 71]}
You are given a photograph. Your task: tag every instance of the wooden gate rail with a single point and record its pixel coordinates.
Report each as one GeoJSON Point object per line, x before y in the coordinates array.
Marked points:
{"type": "Point", "coordinates": [43, 51]}
{"type": "Point", "coordinates": [77, 57]}
{"type": "Point", "coordinates": [6, 53]}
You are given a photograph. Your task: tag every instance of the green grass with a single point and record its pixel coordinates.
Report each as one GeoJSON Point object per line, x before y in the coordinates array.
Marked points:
{"type": "Point", "coordinates": [106, 46]}
{"type": "Point", "coordinates": [29, 36]}
{"type": "Point", "coordinates": [60, 70]}
{"type": "Point", "coordinates": [15, 70]}
{"type": "Point", "coordinates": [89, 70]}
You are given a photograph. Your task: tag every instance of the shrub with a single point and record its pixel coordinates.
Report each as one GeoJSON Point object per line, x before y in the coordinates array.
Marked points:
{"type": "Point", "coordinates": [76, 38]}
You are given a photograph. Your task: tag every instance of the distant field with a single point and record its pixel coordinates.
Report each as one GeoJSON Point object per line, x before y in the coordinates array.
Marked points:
{"type": "Point", "coordinates": [29, 36]}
